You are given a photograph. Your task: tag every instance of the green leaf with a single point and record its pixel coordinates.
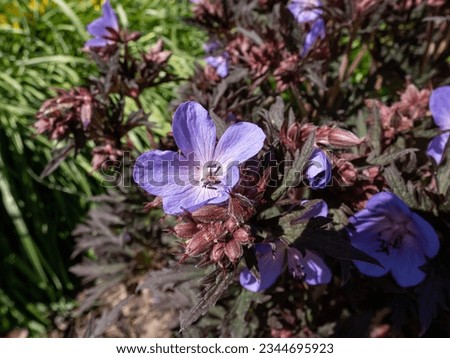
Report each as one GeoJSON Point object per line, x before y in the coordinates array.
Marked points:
{"type": "Point", "coordinates": [60, 59]}
{"type": "Point", "coordinates": [209, 296]}
{"type": "Point", "coordinates": [389, 158]}
{"type": "Point", "coordinates": [443, 173]}
{"type": "Point", "coordinates": [73, 18]}
{"type": "Point", "coordinates": [293, 225]}
{"type": "Point", "coordinates": [375, 132]}
{"type": "Point", "coordinates": [296, 171]}
{"type": "Point", "coordinates": [236, 317]}
{"type": "Point", "coordinates": [399, 187]}
{"type": "Point", "coordinates": [276, 113]}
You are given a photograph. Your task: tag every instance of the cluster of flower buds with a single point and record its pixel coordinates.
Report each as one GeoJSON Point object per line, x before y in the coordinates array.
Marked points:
{"type": "Point", "coordinates": [71, 112]}
{"type": "Point", "coordinates": [90, 113]}
{"type": "Point", "coordinates": [400, 116]}
{"type": "Point", "coordinates": [258, 58]}
{"type": "Point", "coordinates": [207, 11]}
{"type": "Point", "coordinates": [294, 136]}
{"type": "Point", "coordinates": [217, 234]}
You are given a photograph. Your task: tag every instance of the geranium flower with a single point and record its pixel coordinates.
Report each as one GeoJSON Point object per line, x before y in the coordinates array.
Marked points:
{"type": "Point", "coordinates": [203, 173]}
{"type": "Point", "coordinates": [309, 11]}
{"type": "Point", "coordinates": [440, 109]}
{"type": "Point", "coordinates": [318, 170]}
{"type": "Point", "coordinates": [220, 63]}
{"type": "Point", "coordinates": [100, 28]}
{"type": "Point", "coordinates": [273, 258]}
{"type": "Point", "coordinates": [398, 238]}
{"type": "Point", "coordinates": [305, 10]}
{"type": "Point", "coordinates": [211, 46]}
{"type": "Point", "coordinates": [317, 30]}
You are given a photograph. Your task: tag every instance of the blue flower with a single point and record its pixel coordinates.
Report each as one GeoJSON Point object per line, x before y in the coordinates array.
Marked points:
{"type": "Point", "coordinates": [305, 10]}
{"type": "Point", "coordinates": [272, 260]}
{"type": "Point", "coordinates": [398, 238]}
{"type": "Point", "coordinates": [100, 28]}
{"type": "Point", "coordinates": [309, 11]}
{"type": "Point", "coordinates": [318, 170]}
{"type": "Point", "coordinates": [317, 30]}
{"type": "Point", "coordinates": [203, 173]}
{"type": "Point", "coordinates": [440, 109]}
{"type": "Point", "coordinates": [211, 46]}
{"type": "Point", "coordinates": [220, 63]}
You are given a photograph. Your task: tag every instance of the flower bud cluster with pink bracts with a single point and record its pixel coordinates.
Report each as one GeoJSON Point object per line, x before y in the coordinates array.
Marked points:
{"type": "Point", "coordinates": [217, 234]}
{"type": "Point", "coordinates": [93, 113]}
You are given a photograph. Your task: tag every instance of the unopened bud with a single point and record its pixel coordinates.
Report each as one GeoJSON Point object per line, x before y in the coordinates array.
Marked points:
{"type": "Point", "coordinates": [233, 250]}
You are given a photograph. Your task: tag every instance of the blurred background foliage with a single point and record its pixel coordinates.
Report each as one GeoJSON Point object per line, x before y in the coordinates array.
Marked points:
{"type": "Point", "coordinates": [41, 49]}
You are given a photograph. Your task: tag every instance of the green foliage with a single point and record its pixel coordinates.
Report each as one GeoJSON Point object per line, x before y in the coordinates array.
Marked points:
{"type": "Point", "coordinates": [40, 49]}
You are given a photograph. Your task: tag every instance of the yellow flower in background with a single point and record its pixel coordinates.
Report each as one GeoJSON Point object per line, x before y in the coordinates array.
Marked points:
{"type": "Point", "coordinates": [38, 5]}
{"type": "Point", "coordinates": [3, 19]}
{"type": "Point", "coordinates": [97, 4]}
{"type": "Point", "coordinates": [12, 13]}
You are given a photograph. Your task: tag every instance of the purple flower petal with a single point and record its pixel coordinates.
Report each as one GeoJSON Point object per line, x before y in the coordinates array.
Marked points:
{"type": "Point", "coordinates": [211, 46]}
{"type": "Point", "coordinates": [387, 203]}
{"type": "Point", "coordinates": [317, 272]}
{"type": "Point", "coordinates": [270, 267]}
{"type": "Point", "coordinates": [318, 170]}
{"type": "Point", "coordinates": [99, 27]}
{"type": "Point", "coordinates": [368, 243]}
{"type": "Point", "coordinates": [305, 10]}
{"type": "Point", "coordinates": [154, 170]}
{"type": "Point", "coordinates": [319, 209]}
{"type": "Point", "coordinates": [395, 236]}
{"type": "Point", "coordinates": [96, 42]}
{"type": "Point", "coordinates": [369, 221]}
{"type": "Point", "coordinates": [436, 147]}
{"type": "Point", "coordinates": [110, 16]}
{"type": "Point", "coordinates": [249, 282]}
{"type": "Point", "coordinates": [310, 267]}
{"type": "Point", "coordinates": [440, 107]}
{"type": "Point", "coordinates": [214, 61]}
{"type": "Point", "coordinates": [222, 69]}
{"type": "Point", "coordinates": [190, 198]}
{"type": "Point", "coordinates": [194, 132]}
{"type": "Point", "coordinates": [429, 239]}
{"type": "Point", "coordinates": [317, 30]}
{"type": "Point", "coordinates": [409, 258]}
{"type": "Point", "coordinates": [220, 63]}
{"type": "Point", "coordinates": [240, 142]}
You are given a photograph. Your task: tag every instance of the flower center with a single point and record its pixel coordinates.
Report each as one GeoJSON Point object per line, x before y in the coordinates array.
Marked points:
{"type": "Point", "coordinates": [392, 236]}
{"type": "Point", "coordinates": [211, 176]}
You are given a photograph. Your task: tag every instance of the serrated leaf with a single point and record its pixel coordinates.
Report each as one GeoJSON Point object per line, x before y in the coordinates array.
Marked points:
{"type": "Point", "coordinates": [399, 187]}
{"type": "Point", "coordinates": [295, 223]}
{"type": "Point", "coordinates": [443, 173]}
{"type": "Point", "coordinates": [236, 316]}
{"type": "Point", "coordinates": [252, 35]}
{"type": "Point", "coordinates": [168, 278]}
{"type": "Point", "coordinates": [389, 158]}
{"type": "Point", "coordinates": [208, 298]}
{"type": "Point", "coordinates": [297, 166]}
{"type": "Point", "coordinates": [108, 318]}
{"type": "Point", "coordinates": [375, 132]}
{"type": "Point", "coordinates": [276, 113]}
